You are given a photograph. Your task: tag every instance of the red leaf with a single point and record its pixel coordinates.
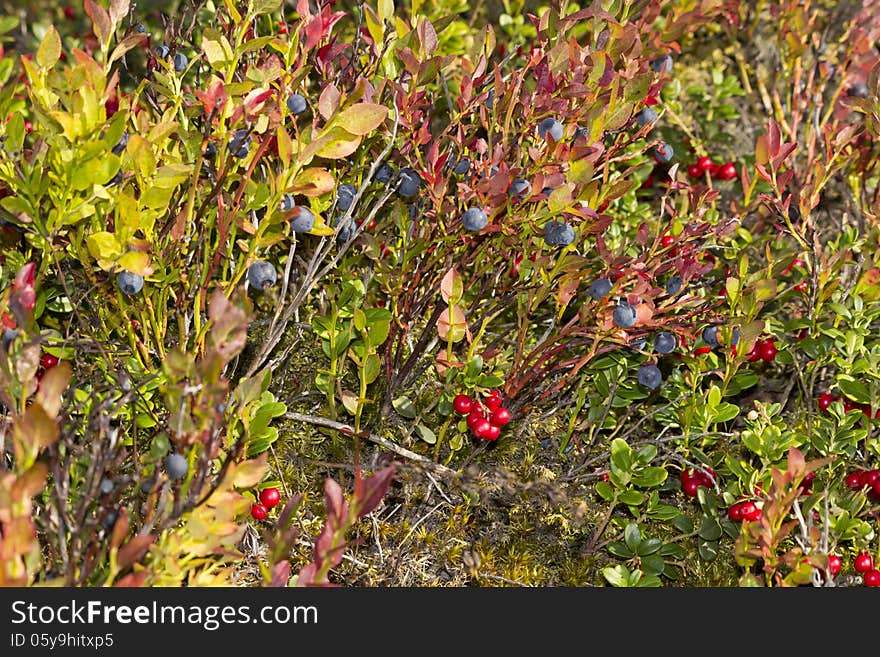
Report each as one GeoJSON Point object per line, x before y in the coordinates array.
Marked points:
{"type": "Point", "coordinates": [374, 489]}
{"type": "Point", "coordinates": [280, 574]}
{"type": "Point", "coordinates": [334, 500]}
{"type": "Point", "coordinates": [773, 137]}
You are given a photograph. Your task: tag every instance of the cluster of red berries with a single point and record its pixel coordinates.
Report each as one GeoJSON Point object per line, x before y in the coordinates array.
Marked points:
{"type": "Point", "coordinates": [691, 480]}
{"type": "Point", "coordinates": [484, 418]}
{"type": "Point", "coordinates": [744, 510]}
{"type": "Point", "coordinates": [869, 479]}
{"type": "Point", "coordinates": [826, 399]}
{"type": "Point", "coordinates": [704, 165]}
{"type": "Point", "coordinates": [764, 349]}
{"type": "Point", "coordinates": [864, 564]}
{"type": "Point", "coordinates": [269, 498]}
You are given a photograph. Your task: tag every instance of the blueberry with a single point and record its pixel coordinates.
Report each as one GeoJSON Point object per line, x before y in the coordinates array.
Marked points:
{"type": "Point", "coordinates": [673, 285]}
{"type": "Point", "coordinates": [211, 151]}
{"type": "Point", "coordinates": [115, 180]}
{"type": "Point", "coordinates": [110, 520]}
{"type": "Point", "coordinates": [180, 62]}
{"type": "Point", "coordinates": [710, 336]}
{"type": "Point", "coordinates": [599, 288]}
{"type": "Point", "coordinates": [794, 214]}
{"type": "Point", "coordinates": [240, 143]}
{"type": "Point", "coordinates": [303, 222]}
{"type": "Point", "coordinates": [8, 336]}
{"type": "Point", "coordinates": [474, 219]}
{"type": "Point", "coordinates": [385, 173]}
{"type": "Point", "coordinates": [287, 203]}
{"type": "Point", "coordinates": [646, 116]}
{"type": "Point", "coordinates": [546, 191]}
{"type": "Point", "coordinates": [734, 338]}
{"type": "Point", "coordinates": [345, 194]}
{"type": "Point", "coordinates": [581, 132]}
{"type": "Point", "coordinates": [665, 342]}
{"type": "Point", "coordinates": [637, 344]}
{"type": "Point", "coordinates": [558, 233]}
{"type": "Point", "coordinates": [121, 144]}
{"type": "Point", "coordinates": [129, 283]}
{"type": "Point", "coordinates": [163, 51]}
{"type": "Point", "coordinates": [346, 232]}
{"type": "Point", "coordinates": [858, 90]}
{"type": "Point", "coordinates": [296, 104]}
{"type": "Point", "coordinates": [650, 376]}
{"type": "Point", "coordinates": [520, 188]}
{"type": "Point", "coordinates": [490, 99]}
{"type": "Point", "coordinates": [106, 486]}
{"type": "Point", "coordinates": [462, 167]}
{"type": "Point", "coordinates": [176, 466]}
{"type": "Point", "coordinates": [662, 64]}
{"type": "Point", "coordinates": [408, 182]}
{"type": "Point", "coordinates": [550, 126]}
{"type": "Point", "coordinates": [146, 487]}
{"type": "Point", "coordinates": [140, 28]}
{"type": "Point", "coordinates": [663, 152]}
{"type": "Point", "coordinates": [624, 315]}
{"type": "Point", "coordinates": [261, 275]}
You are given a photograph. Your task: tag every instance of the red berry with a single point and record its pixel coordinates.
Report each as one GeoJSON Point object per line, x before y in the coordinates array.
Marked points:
{"type": "Point", "coordinates": [768, 351]}
{"type": "Point", "coordinates": [462, 404]}
{"type": "Point", "coordinates": [864, 562]}
{"type": "Point", "coordinates": [801, 287]}
{"type": "Point", "coordinates": [854, 480]}
{"type": "Point", "coordinates": [714, 169]}
{"type": "Point", "coordinates": [270, 497]}
{"type": "Point", "coordinates": [481, 427]}
{"type": "Point", "coordinates": [705, 163]}
{"type": "Point", "coordinates": [690, 487]}
{"type": "Point", "coordinates": [48, 361]}
{"type": "Point", "coordinates": [695, 171]}
{"type": "Point", "coordinates": [685, 476]}
{"type": "Point", "coordinates": [735, 512]}
{"type": "Point", "coordinates": [492, 401]}
{"type": "Point", "coordinates": [834, 564]}
{"type": "Point", "coordinates": [871, 478]}
{"type": "Point", "coordinates": [825, 400]}
{"type": "Point", "coordinates": [259, 512]}
{"type": "Point", "coordinates": [491, 433]}
{"type": "Point", "coordinates": [68, 12]}
{"type": "Point", "coordinates": [699, 351]}
{"type": "Point", "coordinates": [667, 240]}
{"type": "Point", "coordinates": [475, 416]}
{"type": "Point", "coordinates": [727, 171]}
{"type": "Point", "coordinates": [500, 417]}
{"type": "Point", "coordinates": [748, 510]}
{"type": "Point", "coordinates": [872, 578]}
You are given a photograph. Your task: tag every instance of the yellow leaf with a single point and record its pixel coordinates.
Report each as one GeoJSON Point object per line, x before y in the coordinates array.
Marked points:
{"type": "Point", "coordinates": [136, 262]}
{"type": "Point", "coordinates": [362, 119]}
{"type": "Point", "coordinates": [50, 49]}
{"type": "Point", "coordinates": [250, 473]}
{"type": "Point", "coordinates": [314, 181]}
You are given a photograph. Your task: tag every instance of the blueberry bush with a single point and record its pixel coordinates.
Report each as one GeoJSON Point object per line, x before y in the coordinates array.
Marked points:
{"type": "Point", "coordinates": [437, 293]}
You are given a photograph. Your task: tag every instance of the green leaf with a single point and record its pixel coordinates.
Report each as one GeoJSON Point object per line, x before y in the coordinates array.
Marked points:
{"type": "Point", "coordinates": [652, 565]}
{"type": "Point", "coordinates": [616, 575]}
{"type": "Point", "coordinates": [708, 550]}
{"type": "Point", "coordinates": [362, 119]}
{"type": "Point", "coordinates": [632, 537]}
{"type": "Point", "coordinates": [605, 491]}
{"type": "Point", "coordinates": [404, 406]}
{"type": "Point", "coordinates": [621, 455]}
{"type": "Point", "coordinates": [266, 6]}
{"type": "Point", "coordinates": [710, 530]}
{"type": "Point", "coordinates": [620, 549]}
{"type": "Point", "coordinates": [426, 434]}
{"type": "Point", "coordinates": [650, 477]}
{"type": "Point", "coordinates": [631, 497]}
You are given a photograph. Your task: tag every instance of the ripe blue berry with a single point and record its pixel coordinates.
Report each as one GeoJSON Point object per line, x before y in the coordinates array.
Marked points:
{"type": "Point", "coordinates": [408, 182]}
{"type": "Point", "coordinates": [176, 466]}
{"type": "Point", "coordinates": [303, 221]}
{"type": "Point", "coordinates": [296, 104]}
{"type": "Point", "coordinates": [599, 288]}
{"type": "Point", "coordinates": [710, 336]}
{"type": "Point", "coordinates": [240, 143]}
{"type": "Point", "coordinates": [180, 62]}
{"type": "Point", "coordinates": [287, 203]}
{"type": "Point", "coordinates": [520, 188]}
{"type": "Point", "coordinates": [558, 233]}
{"type": "Point", "coordinates": [385, 173]}
{"type": "Point", "coordinates": [345, 194]}
{"type": "Point", "coordinates": [121, 144]}
{"type": "Point", "coordinates": [649, 376]}
{"type": "Point", "coordinates": [346, 232]}
{"type": "Point", "coordinates": [662, 64]}
{"type": "Point", "coordinates": [211, 151]}
{"type": "Point", "coordinates": [550, 126]}
{"type": "Point", "coordinates": [261, 275]}
{"type": "Point", "coordinates": [129, 283]}
{"type": "Point", "coordinates": [474, 219]}
{"type": "Point", "coordinates": [664, 342]}
{"type": "Point", "coordinates": [625, 315]}
{"type": "Point", "coordinates": [140, 28]}
{"type": "Point", "coordinates": [106, 486]}
{"type": "Point", "coordinates": [163, 51]}
{"type": "Point", "coordinates": [461, 167]}
{"type": "Point", "coordinates": [663, 152]}
{"type": "Point", "coordinates": [673, 285]}
{"type": "Point", "coordinates": [646, 116]}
